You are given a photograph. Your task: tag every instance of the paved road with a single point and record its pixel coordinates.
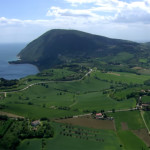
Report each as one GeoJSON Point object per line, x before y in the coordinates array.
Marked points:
{"type": "Point", "coordinates": [5, 92]}
{"type": "Point", "coordinates": [120, 110]}
{"type": "Point", "coordinates": [109, 111]}
{"type": "Point", "coordinates": [82, 115]}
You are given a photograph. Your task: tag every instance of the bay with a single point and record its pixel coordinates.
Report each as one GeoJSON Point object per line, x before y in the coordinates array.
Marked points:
{"type": "Point", "coordinates": [8, 52]}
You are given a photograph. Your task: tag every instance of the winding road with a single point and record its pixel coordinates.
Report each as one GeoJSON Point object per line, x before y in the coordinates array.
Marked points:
{"type": "Point", "coordinates": [15, 116]}
{"type": "Point", "coordinates": [5, 92]}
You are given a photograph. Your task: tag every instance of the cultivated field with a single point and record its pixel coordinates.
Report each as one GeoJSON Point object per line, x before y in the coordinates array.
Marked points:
{"type": "Point", "coordinates": [131, 141]}
{"type": "Point", "coordinates": [75, 137]}
{"type": "Point", "coordinates": [90, 123]}
{"type": "Point", "coordinates": [142, 134]}
{"type": "Point", "coordinates": [66, 94]}
{"type": "Point", "coordinates": [132, 119]}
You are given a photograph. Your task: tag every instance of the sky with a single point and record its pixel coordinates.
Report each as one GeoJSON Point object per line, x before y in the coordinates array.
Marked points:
{"type": "Point", "coordinates": [22, 21]}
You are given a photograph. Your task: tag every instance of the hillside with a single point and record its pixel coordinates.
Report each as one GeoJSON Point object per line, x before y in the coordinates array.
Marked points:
{"type": "Point", "coordinates": [96, 95]}
{"type": "Point", "coordinates": [64, 46]}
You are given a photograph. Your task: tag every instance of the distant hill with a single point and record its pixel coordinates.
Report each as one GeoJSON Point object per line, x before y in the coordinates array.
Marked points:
{"type": "Point", "coordinates": [62, 46]}
{"type": "Point", "coordinates": [147, 44]}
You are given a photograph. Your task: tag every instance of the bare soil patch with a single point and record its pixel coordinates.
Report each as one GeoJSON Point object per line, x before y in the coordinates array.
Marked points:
{"type": "Point", "coordinates": [116, 74]}
{"type": "Point", "coordinates": [124, 126]}
{"type": "Point", "coordinates": [10, 115]}
{"type": "Point", "coordinates": [90, 123]}
{"type": "Point", "coordinates": [137, 68]}
{"type": "Point", "coordinates": [143, 134]}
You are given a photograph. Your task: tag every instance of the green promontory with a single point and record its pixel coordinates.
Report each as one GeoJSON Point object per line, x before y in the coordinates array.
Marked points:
{"type": "Point", "coordinates": [59, 46]}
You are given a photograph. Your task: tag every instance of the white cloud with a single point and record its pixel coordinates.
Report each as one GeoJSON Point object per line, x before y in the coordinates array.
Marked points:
{"type": "Point", "coordinates": [133, 15]}
{"type": "Point", "coordinates": [58, 12]}
{"type": "Point", "coordinates": [134, 12]}
{"type": "Point", "coordinates": [98, 2]}
{"type": "Point", "coordinates": [112, 18]}
{"type": "Point", "coordinates": [80, 1]}
{"type": "Point", "coordinates": [119, 11]}
{"type": "Point", "coordinates": [6, 22]}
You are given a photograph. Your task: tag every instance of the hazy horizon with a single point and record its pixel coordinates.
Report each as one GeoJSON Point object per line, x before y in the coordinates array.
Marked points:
{"type": "Point", "coordinates": [27, 42]}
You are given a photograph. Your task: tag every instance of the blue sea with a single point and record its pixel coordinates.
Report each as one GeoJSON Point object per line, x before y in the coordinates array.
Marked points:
{"type": "Point", "coordinates": [8, 52]}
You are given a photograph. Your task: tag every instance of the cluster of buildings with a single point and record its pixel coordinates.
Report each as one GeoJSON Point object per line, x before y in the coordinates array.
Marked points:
{"type": "Point", "coordinates": [143, 105]}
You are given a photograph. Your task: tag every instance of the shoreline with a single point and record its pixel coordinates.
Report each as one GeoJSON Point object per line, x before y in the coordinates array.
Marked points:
{"type": "Point", "coordinates": [19, 62]}
{"type": "Point", "coordinates": [18, 70]}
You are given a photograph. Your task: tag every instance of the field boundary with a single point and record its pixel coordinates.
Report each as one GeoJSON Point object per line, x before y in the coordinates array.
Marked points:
{"type": "Point", "coordinates": [2, 113]}
{"type": "Point", "coordinates": [141, 112]}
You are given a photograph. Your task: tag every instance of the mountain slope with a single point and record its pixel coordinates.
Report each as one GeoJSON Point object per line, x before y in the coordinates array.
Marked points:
{"type": "Point", "coordinates": [60, 46]}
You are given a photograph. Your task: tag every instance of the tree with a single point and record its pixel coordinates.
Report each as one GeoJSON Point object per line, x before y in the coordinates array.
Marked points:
{"type": "Point", "coordinates": [94, 112]}
{"type": "Point", "coordinates": [113, 110]}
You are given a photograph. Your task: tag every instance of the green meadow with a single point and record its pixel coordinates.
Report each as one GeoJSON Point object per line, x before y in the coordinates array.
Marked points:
{"type": "Point", "coordinates": [68, 94]}
{"type": "Point", "coordinates": [146, 99]}
{"type": "Point", "coordinates": [30, 144]}
{"type": "Point", "coordinates": [147, 118]}
{"type": "Point", "coordinates": [122, 77]}
{"type": "Point", "coordinates": [92, 139]}
{"type": "Point", "coordinates": [131, 141]}
{"type": "Point", "coordinates": [73, 97]}
{"type": "Point", "coordinates": [132, 119]}
{"type": "Point", "coordinates": [98, 101]}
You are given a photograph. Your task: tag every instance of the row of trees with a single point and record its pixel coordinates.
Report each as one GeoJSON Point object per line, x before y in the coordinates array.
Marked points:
{"type": "Point", "coordinates": [81, 133]}
{"type": "Point", "coordinates": [8, 83]}
{"type": "Point", "coordinates": [20, 130]}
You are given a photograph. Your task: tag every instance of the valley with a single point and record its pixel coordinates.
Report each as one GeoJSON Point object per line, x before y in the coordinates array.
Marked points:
{"type": "Point", "coordinates": [35, 97]}
{"type": "Point", "coordinates": [96, 98]}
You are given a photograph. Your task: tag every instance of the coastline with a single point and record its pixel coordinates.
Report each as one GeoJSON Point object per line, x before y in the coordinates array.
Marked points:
{"type": "Point", "coordinates": [11, 66]}
{"type": "Point", "coordinates": [19, 61]}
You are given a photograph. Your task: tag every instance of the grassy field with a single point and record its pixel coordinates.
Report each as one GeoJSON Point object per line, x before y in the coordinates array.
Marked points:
{"type": "Point", "coordinates": [48, 102]}
{"type": "Point", "coordinates": [89, 84]}
{"type": "Point", "coordinates": [65, 74]}
{"type": "Point", "coordinates": [121, 57]}
{"type": "Point", "coordinates": [122, 94]}
{"type": "Point", "coordinates": [132, 119]}
{"type": "Point", "coordinates": [60, 99]}
{"type": "Point", "coordinates": [145, 99]}
{"type": "Point", "coordinates": [36, 112]}
{"type": "Point", "coordinates": [75, 137]}
{"type": "Point", "coordinates": [130, 141]}
{"type": "Point", "coordinates": [147, 118]}
{"type": "Point", "coordinates": [98, 101]}
{"type": "Point", "coordinates": [144, 60]}
{"type": "Point", "coordinates": [31, 144]}
{"type": "Point", "coordinates": [55, 74]}
{"type": "Point", "coordinates": [96, 81]}
{"type": "Point", "coordinates": [63, 99]}
{"type": "Point", "coordinates": [122, 77]}
{"type": "Point", "coordinates": [68, 143]}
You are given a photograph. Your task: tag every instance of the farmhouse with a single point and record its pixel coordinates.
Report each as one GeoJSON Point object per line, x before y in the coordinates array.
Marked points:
{"type": "Point", "coordinates": [35, 123]}
{"type": "Point", "coordinates": [99, 116]}
{"type": "Point", "coordinates": [146, 106]}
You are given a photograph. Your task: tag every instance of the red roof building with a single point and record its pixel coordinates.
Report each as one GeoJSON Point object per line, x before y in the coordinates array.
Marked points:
{"type": "Point", "coordinates": [99, 115]}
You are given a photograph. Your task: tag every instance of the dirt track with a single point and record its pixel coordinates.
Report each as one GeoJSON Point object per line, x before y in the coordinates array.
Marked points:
{"type": "Point", "coordinates": [10, 115]}
{"type": "Point", "coordinates": [142, 134]}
